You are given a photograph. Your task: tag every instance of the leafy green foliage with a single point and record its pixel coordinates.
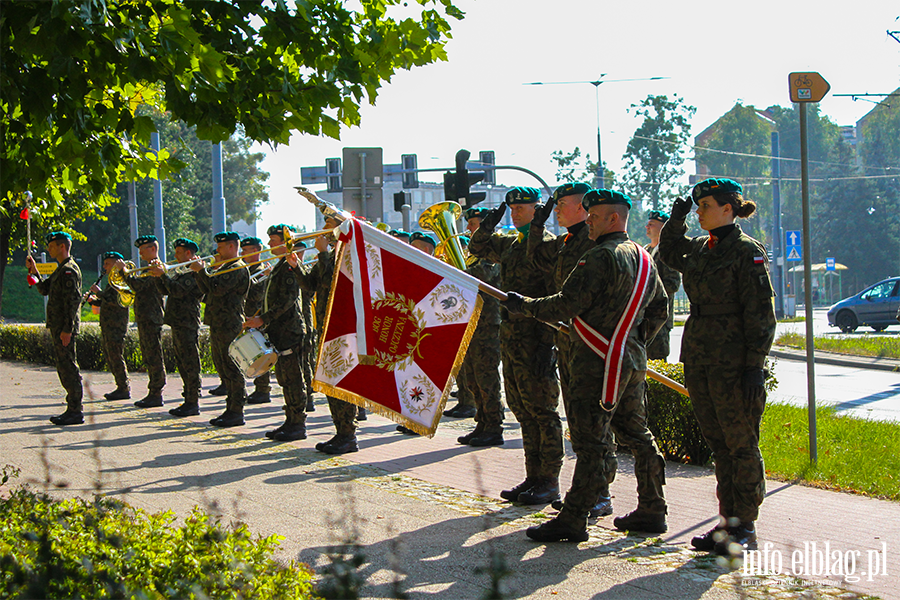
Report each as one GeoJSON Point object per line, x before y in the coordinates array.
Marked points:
{"type": "Point", "coordinates": [106, 549]}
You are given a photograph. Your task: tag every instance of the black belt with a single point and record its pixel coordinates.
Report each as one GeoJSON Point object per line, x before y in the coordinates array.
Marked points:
{"type": "Point", "coordinates": [710, 310]}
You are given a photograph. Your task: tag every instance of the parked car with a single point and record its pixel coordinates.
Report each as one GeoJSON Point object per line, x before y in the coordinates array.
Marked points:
{"type": "Point", "coordinates": [876, 306]}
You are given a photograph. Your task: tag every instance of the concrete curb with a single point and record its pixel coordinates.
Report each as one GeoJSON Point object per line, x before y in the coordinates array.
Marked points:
{"type": "Point", "coordinates": [841, 360]}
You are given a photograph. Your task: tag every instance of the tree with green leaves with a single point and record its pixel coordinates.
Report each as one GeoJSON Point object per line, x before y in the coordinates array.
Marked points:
{"type": "Point", "coordinates": [571, 167]}
{"type": "Point", "coordinates": [655, 155]}
{"type": "Point", "coordinates": [75, 71]}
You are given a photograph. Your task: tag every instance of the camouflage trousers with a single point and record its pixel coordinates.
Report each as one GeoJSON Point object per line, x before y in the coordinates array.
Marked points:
{"type": "Point", "coordinates": [309, 351]}
{"type": "Point", "coordinates": [263, 383]}
{"type": "Point", "coordinates": [114, 346]}
{"type": "Point", "coordinates": [532, 393]}
{"type": "Point", "coordinates": [289, 374]}
{"type": "Point", "coordinates": [67, 369]}
{"type": "Point", "coordinates": [479, 379]}
{"type": "Point", "coordinates": [730, 424]}
{"type": "Point", "coordinates": [150, 338]}
{"type": "Point", "coordinates": [659, 348]}
{"type": "Point", "coordinates": [589, 426]}
{"type": "Point", "coordinates": [229, 372]}
{"type": "Point", "coordinates": [343, 414]}
{"type": "Point", "coordinates": [610, 463]}
{"type": "Point", "coordinates": [187, 361]}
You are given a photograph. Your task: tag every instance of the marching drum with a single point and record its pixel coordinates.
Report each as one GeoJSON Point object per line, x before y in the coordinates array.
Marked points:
{"type": "Point", "coordinates": [253, 353]}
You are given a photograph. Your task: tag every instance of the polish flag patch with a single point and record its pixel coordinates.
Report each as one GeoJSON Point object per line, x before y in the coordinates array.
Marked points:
{"type": "Point", "coordinates": [758, 260]}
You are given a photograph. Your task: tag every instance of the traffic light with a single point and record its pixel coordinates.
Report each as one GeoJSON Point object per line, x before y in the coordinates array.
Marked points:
{"type": "Point", "coordinates": [464, 180]}
{"type": "Point", "coordinates": [450, 187]}
{"type": "Point", "coordinates": [399, 201]}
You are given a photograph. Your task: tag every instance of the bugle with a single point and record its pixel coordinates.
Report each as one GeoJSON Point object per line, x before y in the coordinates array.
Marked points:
{"type": "Point", "coordinates": [288, 245]}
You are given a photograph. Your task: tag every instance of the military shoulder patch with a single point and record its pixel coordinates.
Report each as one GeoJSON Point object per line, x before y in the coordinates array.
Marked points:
{"type": "Point", "coordinates": [758, 260]}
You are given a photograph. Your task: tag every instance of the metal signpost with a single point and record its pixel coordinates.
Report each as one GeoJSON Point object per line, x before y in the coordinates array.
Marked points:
{"type": "Point", "coordinates": [363, 177]}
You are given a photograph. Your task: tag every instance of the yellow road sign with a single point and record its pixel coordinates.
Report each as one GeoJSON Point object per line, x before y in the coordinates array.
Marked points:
{"type": "Point", "coordinates": [46, 268]}
{"type": "Point", "coordinates": [807, 87]}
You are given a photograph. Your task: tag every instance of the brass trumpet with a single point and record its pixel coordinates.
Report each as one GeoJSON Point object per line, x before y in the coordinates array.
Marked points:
{"type": "Point", "coordinates": [289, 245]}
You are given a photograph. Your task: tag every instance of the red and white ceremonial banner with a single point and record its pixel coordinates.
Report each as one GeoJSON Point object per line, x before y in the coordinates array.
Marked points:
{"type": "Point", "coordinates": [398, 325]}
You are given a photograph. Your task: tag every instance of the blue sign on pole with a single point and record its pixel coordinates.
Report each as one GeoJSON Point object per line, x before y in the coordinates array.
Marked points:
{"type": "Point", "coordinates": [829, 264]}
{"type": "Point", "coordinates": [793, 249]}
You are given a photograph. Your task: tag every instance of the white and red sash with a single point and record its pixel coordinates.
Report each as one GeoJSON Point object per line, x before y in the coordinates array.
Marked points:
{"type": "Point", "coordinates": [612, 351]}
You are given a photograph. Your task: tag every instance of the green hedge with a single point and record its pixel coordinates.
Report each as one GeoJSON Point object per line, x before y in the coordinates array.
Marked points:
{"type": "Point", "coordinates": [103, 548]}
{"type": "Point", "coordinates": [32, 343]}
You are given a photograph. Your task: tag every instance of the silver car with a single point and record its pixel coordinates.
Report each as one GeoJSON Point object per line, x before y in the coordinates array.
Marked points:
{"type": "Point", "coordinates": [876, 306]}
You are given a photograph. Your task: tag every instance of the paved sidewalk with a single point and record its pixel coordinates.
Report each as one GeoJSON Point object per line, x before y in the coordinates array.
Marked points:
{"type": "Point", "coordinates": [431, 503]}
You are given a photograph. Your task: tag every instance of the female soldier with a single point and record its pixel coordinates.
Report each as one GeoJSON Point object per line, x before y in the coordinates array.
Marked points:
{"type": "Point", "coordinates": [726, 340]}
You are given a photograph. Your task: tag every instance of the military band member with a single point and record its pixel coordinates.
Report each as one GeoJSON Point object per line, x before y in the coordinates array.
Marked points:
{"type": "Point", "coordinates": [113, 328]}
{"type": "Point", "coordinates": [250, 249]}
{"type": "Point", "coordinates": [283, 323]}
{"type": "Point", "coordinates": [63, 291]}
{"type": "Point", "coordinates": [658, 349]}
{"type": "Point", "coordinates": [401, 235]}
{"type": "Point", "coordinates": [310, 342]}
{"type": "Point", "coordinates": [527, 350]}
{"type": "Point", "coordinates": [423, 241]}
{"type": "Point", "coordinates": [225, 316]}
{"type": "Point", "coordinates": [557, 258]}
{"type": "Point", "coordinates": [183, 316]}
{"type": "Point", "coordinates": [148, 314]}
{"type": "Point", "coordinates": [614, 297]}
{"type": "Point", "coordinates": [726, 340]}
{"type": "Point", "coordinates": [317, 279]}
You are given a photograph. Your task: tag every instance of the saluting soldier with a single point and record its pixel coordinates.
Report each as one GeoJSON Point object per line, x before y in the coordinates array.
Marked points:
{"type": "Point", "coordinates": [63, 291]}
{"type": "Point", "coordinates": [726, 340]}
{"type": "Point", "coordinates": [225, 316]}
{"type": "Point", "coordinates": [527, 349]}
{"type": "Point", "coordinates": [148, 314]}
{"type": "Point", "coordinates": [556, 258]}
{"type": "Point", "coordinates": [479, 380]}
{"type": "Point", "coordinates": [113, 328]}
{"type": "Point", "coordinates": [615, 301]}
{"type": "Point", "coordinates": [317, 279]}
{"type": "Point", "coordinates": [280, 317]}
{"type": "Point", "coordinates": [183, 316]}
{"type": "Point", "coordinates": [658, 349]}
{"type": "Point", "coordinates": [250, 249]}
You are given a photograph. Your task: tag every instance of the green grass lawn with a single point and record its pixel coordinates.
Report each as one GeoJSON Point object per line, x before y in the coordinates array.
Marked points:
{"type": "Point", "coordinates": [880, 346]}
{"type": "Point", "coordinates": [855, 455]}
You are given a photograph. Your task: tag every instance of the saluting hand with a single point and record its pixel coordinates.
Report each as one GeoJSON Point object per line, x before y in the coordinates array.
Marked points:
{"type": "Point", "coordinates": [542, 213]}
{"type": "Point", "coordinates": [493, 218]}
{"type": "Point", "coordinates": [681, 207]}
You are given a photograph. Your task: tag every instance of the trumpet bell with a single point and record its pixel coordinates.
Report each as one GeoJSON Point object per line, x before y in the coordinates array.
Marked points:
{"type": "Point", "coordinates": [441, 218]}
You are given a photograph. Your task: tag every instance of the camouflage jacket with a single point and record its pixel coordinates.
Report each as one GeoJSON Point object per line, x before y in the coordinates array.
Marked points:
{"type": "Point", "coordinates": [732, 318]}
{"type": "Point", "coordinates": [224, 294]}
{"type": "Point", "coordinates": [148, 299]}
{"type": "Point", "coordinates": [317, 279]}
{"type": "Point", "coordinates": [253, 302]}
{"type": "Point", "coordinates": [517, 271]}
{"type": "Point", "coordinates": [489, 273]}
{"type": "Point", "coordinates": [281, 308]}
{"type": "Point", "coordinates": [557, 257]}
{"type": "Point", "coordinates": [671, 281]}
{"type": "Point", "coordinates": [63, 291]}
{"type": "Point", "coordinates": [112, 314]}
{"type": "Point", "coordinates": [183, 304]}
{"type": "Point", "coordinates": [598, 290]}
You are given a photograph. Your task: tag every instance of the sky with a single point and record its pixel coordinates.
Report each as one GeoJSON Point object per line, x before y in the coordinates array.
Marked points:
{"type": "Point", "coordinates": [713, 53]}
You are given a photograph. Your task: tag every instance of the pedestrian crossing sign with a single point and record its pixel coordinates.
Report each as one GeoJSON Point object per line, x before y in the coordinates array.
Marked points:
{"type": "Point", "coordinates": [793, 254]}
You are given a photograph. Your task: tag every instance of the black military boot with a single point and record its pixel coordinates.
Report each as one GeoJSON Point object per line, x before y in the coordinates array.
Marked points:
{"type": "Point", "coordinates": [487, 439]}
{"type": "Point", "coordinates": [555, 530]}
{"type": "Point", "coordinates": [642, 520]}
{"type": "Point", "coordinates": [545, 491]}
{"type": "Point", "coordinates": [150, 401]}
{"type": "Point", "coordinates": [220, 390]}
{"type": "Point", "coordinates": [513, 494]}
{"type": "Point", "coordinates": [406, 430]}
{"type": "Point", "coordinates": [310, 404]}
{"type": "Point", "coordinates": [707, 542]}
{"type": "Point", "coordinates": [322, 445]}
{"type": "Point", "coordinates": [361, 414]}
{"type": "Point", "coordinates": [118, 394]}
{"type": "Point", "coordinates": [465, 439]}
{"type": "Point", "coordinates": [271, 434]}
{"type": "Point", "coordinates": [739, 538]}
{"type": "Point", "coordinates": [603, 508]}
{"type": "Point", "coordinates": [229, 418]}
{"type": "Point", "coordinates": [187, 409]}
{"type": "Point", "coordinates": [291, 432]}
{"type": "Point", "coordinates": [258, 397]}
{"type": "Point", "coordinates": [341, 445]}
{"type": "Point", "coordinates": [70, 417]}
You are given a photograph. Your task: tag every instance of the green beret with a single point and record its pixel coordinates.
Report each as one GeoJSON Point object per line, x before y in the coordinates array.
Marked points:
{"type": "Point", "coordinates": [570, 189]}
{"type": "Point", "coordinates": [713, 186]}
{"type": "Point", "coordinates": [227, 236]}
{"type": "Point", "coordinates": [399, 233]}
{"type": "Point", "coordinates": [57, 236]}
{"type": "Point", "coordinates": [601, 196]}
{"type": "Point", "coordinates": [476, 212]}
{"type": "Point", "coordinates": [425, 237]}
{"type": "Point", "coordinates": [279, 229]}
{"type": "Point", "coordinates": [144, 239]}
{"type": "Point", "coordinates": [251, 241]}
{"type": "Point", "coordinates": [186, 243]}
{"type": "Point", "coordinates": [112, 255]}
{"type": "Point", "coordinates": [658, 215]}
{"type": "Point", "coordinates": [523, 195]}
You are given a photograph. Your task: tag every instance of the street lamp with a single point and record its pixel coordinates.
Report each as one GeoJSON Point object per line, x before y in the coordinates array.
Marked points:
{"type": "Point", "coordinates": [600, 176]}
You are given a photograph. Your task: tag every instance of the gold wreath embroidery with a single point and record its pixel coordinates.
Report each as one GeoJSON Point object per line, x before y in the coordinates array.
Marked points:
{"type": "Point", "coordinates": [334, 363]}
{"type": "Point", "coordinates": [456, 299]}
{"type": "Point", "coordinates": [420, 396]}
{"type": "Point", "coordinates": [374, 261]}
{"type": "Point", "coordinates": [390, 362]}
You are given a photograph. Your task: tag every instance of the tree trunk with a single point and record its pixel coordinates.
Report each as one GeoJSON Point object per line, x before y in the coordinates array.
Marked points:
{"type": "Point", "coordinates": [5, 235]}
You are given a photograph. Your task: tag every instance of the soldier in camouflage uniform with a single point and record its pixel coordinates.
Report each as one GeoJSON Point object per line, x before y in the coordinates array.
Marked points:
{"type": "Point", "coordinates": [479, 380]}
{"type": "Point", "coordinates": [527, 350]}
{"type": "Point", "coordinates": [309, 348]}
{"type": "Point", "coordinates": [63, 291]}
{"type": "Point", "coordinates": [250, 249]}
{"type": "Point", "coordinates": [224, 314]}
{"type": "Point", "coordinates": [614, 297]}
{"type": "Point", "coordinates": [281, 319]}
{"type": "Point", "coordinates": [726, 340]}
{"type": "Point", "coordinates": [148, 314]}
{"type": "Point", "coordinates": [113, 327]}
{"type": "Point", "coordinates": [556, 258]}
{"type": "Point", "coordinates": [183, 316]}
{"type": "Point", "coordinates": [317, 279]}
{"type": "Point", "coordinates": [658, 349]}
